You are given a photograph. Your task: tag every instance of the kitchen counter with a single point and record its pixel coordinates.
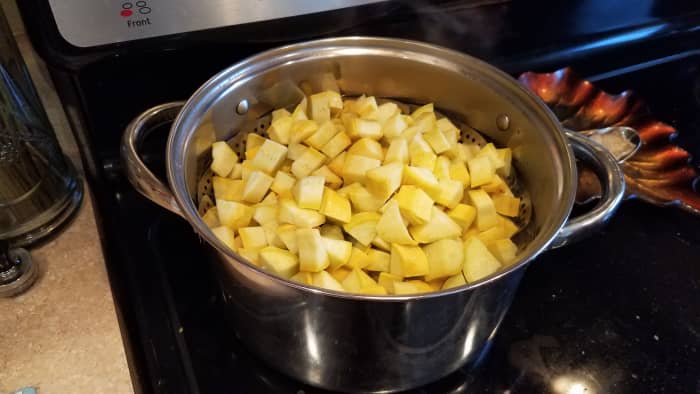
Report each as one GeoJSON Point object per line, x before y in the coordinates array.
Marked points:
{"type": "Point", "coordinates": [62, 335]}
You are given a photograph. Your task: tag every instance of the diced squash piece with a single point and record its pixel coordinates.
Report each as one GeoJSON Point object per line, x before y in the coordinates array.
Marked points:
{"type": "Point", "coordinates": [509, 228]}
{"type": "Point", "coordinates": [295, 150]}
{"type": "Point", "coordinates": [397, 152]}
{"type": "Point", "coordinates": [265, 214]}
{"type": "Point", "coordinates": [253, 141]}
{"type": "Point", "coordinates": [383, 181]}
{"type": "Point", "coordinates": [324, 280]}
{"type": "Point", "coordinates": [417, 145]}
{"type": "Point", "coordinates": [330, 178]}
{"type": "Point", "coordinates": [336, 165]}
{"type": "Point", "coordinates": [339, 252]}
{"type": "Point", "coordinates": [332, 231]}
{"type": "Point", "coordinates": [280, 129]}
{"type": "Point", "coordinates": [368, 148]}
{"type": "Point", "coordinates": [308, 162]}
{"type": "Point", "coordinates": [504, 250]}
{"type": "Point", "coordinates": [480, 171]}
{"type": "Point", "coordinates": [391, 226]}
{"type": "Point", "coordinates": [424, 160]}
{"type": "Point", "coordinates": [414, 204]}
{"type": "Point", "coordinates": [373, 290]}
{"type": "Point", "coordinates": [506, 205]}
{"type": "Point", "coordinates": [335, 206]}
{"type": "Point", "coordinates": [478, 261]}
{"type": "Point", "coordinates": [494, 157]}
{"type": "Point", "coordinates": [362, 128]}
{"type": "Point", "coordinates": [497, 186]}
{"type": "Point", "coordinates": [273, 238]}
{"type": "Point", "coordinates": [486, 215]}
{"type": "Point", "coordinates": [237, 243]}
{"type": "Point", "coordinates": [302, 277]}
{"type": "Point", "coordinates": [228, 189]}
{"type": "Point", "coordinates": [420, 285]}
{"type": "Point", "coordinates": [270, 199]}
{"type": "Point", "coordinates": [256, 186]}
{"type": "Point", "coordinates": [445, 125]}
{"type": "Point", "coordinates": [458, 171]}
{"type": "Point", "coordinates": [445, 258]}
{"type": "Point", "coordinates": [410, 133]}
{"type": "Point", "coordinates": [280, 113]}
{"type": "Point", "coordinates": [437, 140]}
{"type": "Point", "coordinates": [365, 105]}
{"type": "Point", "coordinates": [308, 192]}
{"type": "Point", "coordinates": [363, 227]}
{"type": "Point", "coordinates": [424, 122]}
{"type": "Point", "coordinates": [270, 157]}
{"type": "Point", "coordinates": [288, 234]}
{"type": "Point", "coordinates": [225, 235]}
{"type": "Point", "coordinates": [386, 280]}
{"type": "Point", "coordinates": [386, 111]}
{"type": "Point", "coordinates": [346, 190]}
{"type": "Point", "coordinates": [352, 281]}
{"type": "Point", "coordinates": [358, 258]}
{"type": "Point", "coordinates": [341, 273]}
{"type": "Point", "coordinates": [411, 260]}
{"type": "Point", "coordinates": [321, 103]}
{"type": "Point", "coordinates": [421, 177]}
{"type": "Point", "coordinates": [299, 112]}
{"type": "Point", "coordinates": [449, 193]}
{"type": "Point", "coordinates": [427, 108]}
{"type": "Point", "coordinates": [454, 281]}
{"type": "Point", "coordinates": [364, 201]}
{"type": "Point", "coordinates": [405, 288]}
{"type": "Point", "coordinates": [252, 255]}
{"type": "Point", "coordinates": [211, 218]}
{"type": "Point", "coordinates": [279, 261]}
{"type": "Point", "coordinates": [247, 168]}
{"type": "Point", "coordinates": [301, 130]}
{"type": "Point", "coordinates": [283, 184]}
{"type": "Point", "coordinates": [253, 237]}
{"type": "Point", "coordinates": [378, 260]}
{"type": "Point", "coordinates": [312, 250]}
{"type": "Point", "coordinates": [233, 214]}
{"type": "Point", "coordinates": [463, 215]}
{"type": "Point", "coordinates": [442, 168]}
{"type": "Point", "coordinates": [223, 158]}
{"type": "Point", "coordinates": [380, 243]}
{"type": "Point", "coordinates": [492, 234]}
{"type": "Point", "coordinates": [356, 167]}
{"type": "Point", "coordinates": [236, 172]}
{"type": "Point", "coordinates": [460, 153]}
{"type": "Point", "coordinates": [336, 145]}
{"type": "Point", "coordinates": [440, 226]}
{"type": "Point", "coordinates": [506, 156]}
{"type": "Point", "coordinates": [325, 132]}
{"type": "Point", "coordinates": [394, 126]}
{"type": "Point", "coordinates": [290, 212]}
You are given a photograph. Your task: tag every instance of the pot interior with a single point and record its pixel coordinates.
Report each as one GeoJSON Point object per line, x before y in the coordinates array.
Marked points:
{"type": "Point", "coordinates": [467, 90]}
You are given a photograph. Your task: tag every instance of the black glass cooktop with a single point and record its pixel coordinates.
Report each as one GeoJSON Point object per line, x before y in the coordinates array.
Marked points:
{"type": "Point", "coordinates": [615, 313]}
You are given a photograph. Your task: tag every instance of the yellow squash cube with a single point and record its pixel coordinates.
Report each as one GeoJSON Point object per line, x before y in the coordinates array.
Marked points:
{"type": "Point", "coordinates": [506, 156]}
{"type": "Point", "coordinates": [368, 148]}
{"type": "Point", "coordinates": [506, 205]}
{"type": "Point", "coordinates": [337, 163]}
{"type": "Point", "coordinates": [486, 215]}
{"type": "Point", "coordinates": [394, 126]}
{"type": "Point", "coordinates": [301, 130]}
{"type": "Point", "coordinates": [252, 255]}
{"type": "Point", "coordinates": [421, 177]}
{"type": "Point", "coordinates": [363, 227]}
{"type": "Point", "coordinates": [364, 201]}
{"type": "Point", "coordinates": [308, 192]}
{"type": "Point", "coordinates": [440, 226]}
{"type": "Point", "coordinates": [335, 206]}
{"type": "Point", "coordinates": [358, 259]}
{"type": "Point", "coordinates": [397, 152]}
{"type": "Point", "coordinates": [442, 168]}
{"type": "Point", "coordinates": [269, 157]}
{"type": "Point", "coordinates": [283, 184]}
{"type": "Point", "coordinates": [228, 189]}
{"type": "Point", "coordinates": [280, 129]}
{"type": "Point", "coordinates": [265, 214]}
{"type": "Point", "coordinates": [225, 235]}
{"type": "Point", "coordinates": [494, 157]}
{"type": "Point", "coordinates": [458, 171]}
{"type": "Point", "coordinates": [332, 231]}
{"type": "Point", "coordinates": [386, 280]}
{"type": "Point", "coordinates": [336, 145]}
{"type": "Point", "coordinates": [437, 140]}
{"type": "Point", "coordinates": [290, 212]}
{"type": "Point", "coordinates": [386, 111]}
{"type": "Point", "coordinates": [253, 237]}
{"type": "Point", "coordinates": [480, 171]}
{"type": "Point", "coordinates": [509, 228]}
{"type": "Point", "coordinates": [253, 141]}
{"type": "Point", "coordinates": [411, 259]}
{"type": "Point", "coordinates": [312, 250]}
{"type": "Point", "coordinates": [288, 235]}
{"type": "Point", "coordinates": [383, 181]}
{"type": "Point", "coordinates": [257, 185]}
{"type": "Point", "coordinates": [378, 260]}
{"type": "Point", "coordinates": [211, 218]}
{"type": "Point", "coordinates": [391, 226]}
{"type": "Point", "coordinates": [504, 250]}
{"type": "Point", "coordinates": [356, 167]}
{"type": "Point", "coordinates": [415, 205]}
{"type": "Point", "coordinates": [236, 172]}
{"type": "Point", "coordinates": [233, 214]}
{"type": "Point", "coordinates": [305, 278]}
{"type": "Point", "coordinates": [427, 108]}
{"type": "Point", "coordinates": [279, 261]}
{"type": "Point", "coordinates": [454, 281]}
{"type": "Point", "coordinates": [321, 103]}
{"type": "Point", "coordinates": [308, 162]}
{"type": "Point", "coordinates": [445, 258]}
{"type": "Point", "coordinates": [223, 158]}
{"type": "Point", "coordinates": [280, 113]}
{"type": "Point", "coordinates": [478, 261]}
{"type": "Point", "coordinates": [445, 125]}
{"type": "Point", "coordinates": [362, 128]}
{"type": "Point", "coordinates": [339, 252]}
{"type": "Point", "coordinates": [331, 179]}
{"type": "Point", "coordinates": [295, 150]}
{"type": "Point", "coordinates": [324, 280]}
{"type": "Point", "coordinates": [424, 160]}
{"type": "Point", "coordinates": [463, 215]}
{"type": "Point", "coordinates": [341, 273]}
{"type": "Point", "coordinates": [449, 193]}
{"type": "Point", "coordinates": [322, 135]}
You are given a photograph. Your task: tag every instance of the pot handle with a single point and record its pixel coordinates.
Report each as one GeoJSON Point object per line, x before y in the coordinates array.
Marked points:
{"type": "Point", "coordinates": [143, 180]}
{"type": "Point", "coordinates": [613, 184]}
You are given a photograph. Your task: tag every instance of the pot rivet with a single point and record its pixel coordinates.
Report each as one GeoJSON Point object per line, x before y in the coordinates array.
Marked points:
{"type": "Point", "coordinates": [503, 122]}
{"type": "Point", "coordinates": [242, 107]}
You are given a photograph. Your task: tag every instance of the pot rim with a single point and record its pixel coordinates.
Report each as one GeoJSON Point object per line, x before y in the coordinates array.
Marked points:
{"type": "Point", "coordinates": [199, 103]}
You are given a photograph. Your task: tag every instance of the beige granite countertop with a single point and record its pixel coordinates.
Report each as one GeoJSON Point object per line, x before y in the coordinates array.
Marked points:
{"type": "Point", "coordinates": [62, 335]}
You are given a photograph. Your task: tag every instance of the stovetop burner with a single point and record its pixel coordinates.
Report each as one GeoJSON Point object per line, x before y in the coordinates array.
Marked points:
{"type": "Point", "coordinates": [614, 313]}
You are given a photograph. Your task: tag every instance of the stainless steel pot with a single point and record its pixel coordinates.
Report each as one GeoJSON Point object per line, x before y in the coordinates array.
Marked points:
{"type": "Point", "coordinates": [353, 342]}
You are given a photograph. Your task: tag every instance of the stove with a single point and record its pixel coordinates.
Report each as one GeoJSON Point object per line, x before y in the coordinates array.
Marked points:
{"type": "Point", "coordinates": [614, 313]}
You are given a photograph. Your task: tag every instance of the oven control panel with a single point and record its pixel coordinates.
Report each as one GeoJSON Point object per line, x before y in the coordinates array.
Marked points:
{"type": "Point", "coordinates": [88, 23]}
